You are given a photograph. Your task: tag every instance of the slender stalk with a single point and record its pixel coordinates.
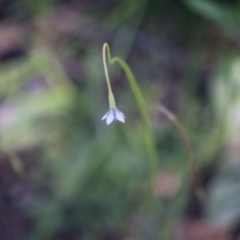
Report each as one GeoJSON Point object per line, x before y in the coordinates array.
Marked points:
{"type": "Point", "coordinates": [196, 183]}
{"type": "Point", "coordinates": [105, 45]}
{"type": "Point", "coordinates": [111, 98]}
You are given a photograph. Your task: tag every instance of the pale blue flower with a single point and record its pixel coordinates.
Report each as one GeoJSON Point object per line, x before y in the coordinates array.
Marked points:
{"type": "Point", "coordinates": [114, 114]}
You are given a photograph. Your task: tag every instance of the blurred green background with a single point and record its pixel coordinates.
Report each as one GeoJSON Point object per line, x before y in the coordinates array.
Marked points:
{"type": "Point", "coordinates": [65, 174]}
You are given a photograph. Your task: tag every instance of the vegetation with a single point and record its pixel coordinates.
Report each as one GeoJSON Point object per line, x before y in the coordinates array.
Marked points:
{"type": "Point", "coordinates": [65, 174]}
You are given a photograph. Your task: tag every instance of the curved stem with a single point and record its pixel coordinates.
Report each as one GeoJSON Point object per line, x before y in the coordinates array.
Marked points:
{"type": "Point", "coordinates": [105, 46]}
{"type": "Point", "coordinates": [110, 94]}
{"type": "Point", "coordinates": [196, 183]}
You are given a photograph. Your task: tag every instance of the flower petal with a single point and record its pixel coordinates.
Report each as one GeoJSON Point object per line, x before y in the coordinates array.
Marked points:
{"type": "Point", "coordinates": [120, 117]}
{"type": "Point", "coordinates": [110, 117]}
{"type": "Point", "coordinates": [105, 115]}
{"type": "Point", "coordinates": [119, 112]}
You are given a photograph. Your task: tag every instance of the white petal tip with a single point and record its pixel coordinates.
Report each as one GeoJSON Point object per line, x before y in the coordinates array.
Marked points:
{"type": "Point", "coordinates": [120, 117]}
{"type": "Point", "coordinates": [121, 120]}
{"type": "Point", "coordinates": [110, 118]}
{"type": "Point", "coordinates": [113, 114]}
{"type": "Point", "coordinates": [104, 117]}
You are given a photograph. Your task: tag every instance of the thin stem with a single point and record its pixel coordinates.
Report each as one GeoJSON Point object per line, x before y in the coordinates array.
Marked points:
{"type": "Point", "coordinates": [111, 98]}
{"type": "Point", "coordinates": [105, 46]}
{"type": "Point", "coordinates": [197, 186]}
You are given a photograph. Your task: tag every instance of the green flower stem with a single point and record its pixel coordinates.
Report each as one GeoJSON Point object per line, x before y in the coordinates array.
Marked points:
{"type": "Point", "coordinates": [112, 103]}
{"type": "Point", "coordinates": [148, 134]}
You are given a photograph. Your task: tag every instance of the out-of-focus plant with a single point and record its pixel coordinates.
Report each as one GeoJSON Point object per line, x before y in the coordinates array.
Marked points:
{"type": "Point", "coordinates": [89, 179]}
{"type": "Point", "coordinates": [223, 200]}
{"type": "Point", "coordinates": [225, 15]}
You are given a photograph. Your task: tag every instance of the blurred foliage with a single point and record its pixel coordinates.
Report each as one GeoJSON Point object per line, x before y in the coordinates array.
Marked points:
{"type": "Point", "coordinates": [71, 176]}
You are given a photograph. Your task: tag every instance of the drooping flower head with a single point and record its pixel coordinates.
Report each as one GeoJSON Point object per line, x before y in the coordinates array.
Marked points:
{"type": "Point", "coordinates": [113, 114]}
